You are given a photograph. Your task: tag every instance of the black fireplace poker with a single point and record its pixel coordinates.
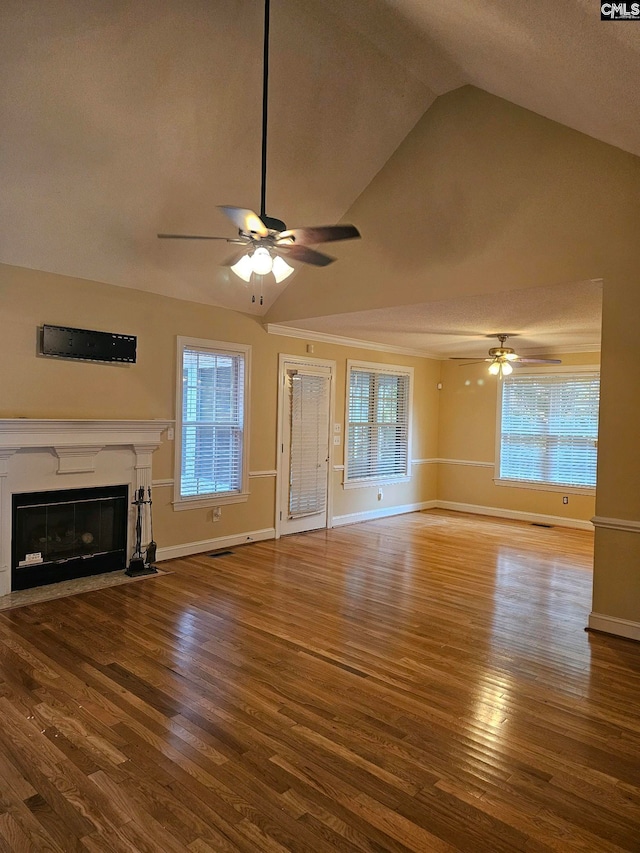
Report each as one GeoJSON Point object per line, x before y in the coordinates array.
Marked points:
{"type": "Point", "coordinates": [140, 564]}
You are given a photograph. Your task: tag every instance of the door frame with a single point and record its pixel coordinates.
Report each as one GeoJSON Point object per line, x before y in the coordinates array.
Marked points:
{"type": "Point", "coordinates": [284, 360]}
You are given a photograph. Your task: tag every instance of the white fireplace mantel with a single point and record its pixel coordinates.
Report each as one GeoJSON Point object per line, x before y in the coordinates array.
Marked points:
{"type": "Point", "coordinates": [43, 455]}
{"type": "Point", "coordinates": [27, 433]}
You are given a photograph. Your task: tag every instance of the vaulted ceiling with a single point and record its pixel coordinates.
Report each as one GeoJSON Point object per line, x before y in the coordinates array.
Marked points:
{"type": "Point", "coordinates": [123, 119]}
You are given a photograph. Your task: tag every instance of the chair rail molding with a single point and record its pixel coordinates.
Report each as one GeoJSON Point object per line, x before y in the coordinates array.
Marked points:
{"type": "Point", "coordinates": [624, 524]}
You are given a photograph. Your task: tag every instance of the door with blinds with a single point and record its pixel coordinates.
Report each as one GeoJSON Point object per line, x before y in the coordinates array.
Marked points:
{"type": "Point", "coordinates": [305, 449]}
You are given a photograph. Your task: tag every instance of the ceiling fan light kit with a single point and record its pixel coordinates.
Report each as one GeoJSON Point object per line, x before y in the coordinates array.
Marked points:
{"type": "Point", "coordinates": [260, 262]}
{"type": "Point", "coordinates": [500, 367]}
{"type": "Point", "coordinates": [266, 240]}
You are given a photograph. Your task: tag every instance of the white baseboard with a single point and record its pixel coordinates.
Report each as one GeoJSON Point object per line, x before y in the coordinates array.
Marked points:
{"type": "Point", "coordinates": [383, 512]}
{"type": "Point", "coordinates": [185, 550]}
{"type": "Point", "coordinates": [189, 548]}
{"type": "Point", "coordinates": [498, 512]}
{"type": "Point", "coordinates": [614, 625]}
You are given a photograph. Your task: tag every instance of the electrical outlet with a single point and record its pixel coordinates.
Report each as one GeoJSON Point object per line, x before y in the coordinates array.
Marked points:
{"type": "Point", "coordinates": [565, 500]}
{"type": "Point", "coordinates": [216, 515]}
{"type": "Point", "coordinates": [336, 439]}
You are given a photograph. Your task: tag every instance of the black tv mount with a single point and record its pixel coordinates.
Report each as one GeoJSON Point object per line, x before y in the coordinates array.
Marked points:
{"type": "Point", "coordinates": [87, 344]}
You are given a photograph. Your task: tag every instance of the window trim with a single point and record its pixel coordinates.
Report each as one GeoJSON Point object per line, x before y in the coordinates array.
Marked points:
{"type": "Point", "coordinates": [393, 370]}
{"type": "Point", "coordinates": [536, 485]}
{"type": "Point", "coordinates": [220, 498]}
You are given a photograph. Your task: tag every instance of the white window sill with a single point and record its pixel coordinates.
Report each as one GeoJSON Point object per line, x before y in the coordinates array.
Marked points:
{"type": "Point", "coordinates": [532, 485]}
{"type": "Point", "coordinates": [374, 484]}
{"type": "Point", "coordinates": [206, 501]}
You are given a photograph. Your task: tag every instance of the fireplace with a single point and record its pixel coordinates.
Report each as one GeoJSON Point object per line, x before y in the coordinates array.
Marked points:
{"type": "Point", "coordinates": [64, 534]}
{"type": "Point", "coordinates": [50, 461]}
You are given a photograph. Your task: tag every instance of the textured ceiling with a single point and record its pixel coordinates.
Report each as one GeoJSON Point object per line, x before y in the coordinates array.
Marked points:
{"type": "Point", "coordinates": [128, 118]}
{"type": "Point", "coordinates": [540, 319]}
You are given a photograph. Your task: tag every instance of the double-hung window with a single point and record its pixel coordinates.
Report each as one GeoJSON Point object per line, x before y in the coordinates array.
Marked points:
{"type": "Point", "coordinates": [549, 429]}
{"type": "Point", "coordinates": [211, 447]}
{"type": "Point", "coordinates": [378, 428]}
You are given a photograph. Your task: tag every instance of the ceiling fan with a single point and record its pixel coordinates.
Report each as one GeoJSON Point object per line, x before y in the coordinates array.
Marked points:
{"type": "Point", "coordinates": [503, 359]}
{"type": "Point", "coordinates": [266, 242]}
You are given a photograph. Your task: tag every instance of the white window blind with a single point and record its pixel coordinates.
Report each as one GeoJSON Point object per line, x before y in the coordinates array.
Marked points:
{"type": "Point", "coordinates": [549, 429]}
{"type": "Point", "coordinates": [378, 429]}
{"type": "Point", "coordinates": [309, 444]}
{"type": "Point", "coordinates": [213, 392]}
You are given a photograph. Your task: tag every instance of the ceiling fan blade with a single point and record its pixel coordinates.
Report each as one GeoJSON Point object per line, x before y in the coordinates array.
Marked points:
{"type": "Point", "coordinates": [537, 361]}
{"type": "Point", "coordinates": [306, 255]}
{"type": "Point", "coordinates": [245, 220]}
{"type": "Point", "coordinates": [471, 363]}
{"type": "Point", "coordinates": [319, 234]}
{"type": "Point", "coordinates": [468, 358]}
{"type": "Point", "coordinates": [195, 237]}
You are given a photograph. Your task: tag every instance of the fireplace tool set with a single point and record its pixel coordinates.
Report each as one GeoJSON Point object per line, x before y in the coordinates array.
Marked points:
{"type": "Point", "coordinates": [142, 564]}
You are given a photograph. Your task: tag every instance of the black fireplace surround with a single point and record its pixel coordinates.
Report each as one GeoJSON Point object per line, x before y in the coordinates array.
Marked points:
{"type": "Point", "coordinates": [68, 533]}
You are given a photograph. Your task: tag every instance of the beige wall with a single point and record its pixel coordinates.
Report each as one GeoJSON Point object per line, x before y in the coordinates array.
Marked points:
{"type": "Point", "coordinates": [467, 434]}
{"type": "Point", "coordinates": [32, 386]}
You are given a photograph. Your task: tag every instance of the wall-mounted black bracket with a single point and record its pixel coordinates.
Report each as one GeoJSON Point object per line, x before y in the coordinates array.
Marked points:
{"type": "Point", "coordinates": [86, 344]}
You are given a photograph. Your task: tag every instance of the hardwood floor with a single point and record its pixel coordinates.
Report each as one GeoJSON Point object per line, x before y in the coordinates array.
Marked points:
{"type": "Point", "coordinates": [417, 683]}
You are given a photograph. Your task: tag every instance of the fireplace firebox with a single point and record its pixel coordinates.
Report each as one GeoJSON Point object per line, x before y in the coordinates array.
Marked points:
{"type": "Point", "coordinates": [65, 534]}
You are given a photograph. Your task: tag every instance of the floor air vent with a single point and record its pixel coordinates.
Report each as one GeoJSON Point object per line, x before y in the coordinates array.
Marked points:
{"type": "Point", "coordinates": [223, 553]}
{"type": "Point", "coordinates": [541, 524]}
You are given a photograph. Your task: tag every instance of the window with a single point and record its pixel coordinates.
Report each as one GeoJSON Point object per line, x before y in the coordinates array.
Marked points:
{"type": "Point", "coordinates": [212, 430]}
{"type": "Point", "coordinates": [549, 429]}
{"type": "Point", "coordinates": [378, 414]}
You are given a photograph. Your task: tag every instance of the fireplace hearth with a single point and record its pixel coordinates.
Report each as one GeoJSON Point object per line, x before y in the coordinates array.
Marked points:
{"type": "Point", "coordinates": [71, 533]}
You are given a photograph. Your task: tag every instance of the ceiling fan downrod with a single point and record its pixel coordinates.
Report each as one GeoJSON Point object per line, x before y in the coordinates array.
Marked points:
{"type": "Point", "coordinates": [265, 111]}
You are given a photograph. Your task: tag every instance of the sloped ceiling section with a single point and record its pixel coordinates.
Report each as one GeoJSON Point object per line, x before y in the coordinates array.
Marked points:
{"type": "Point", "coordinates": [124, 119]}
{"type": "Point", "coordinates": [483, 197]}
{"type": "Point", "coordinates": [558, 59]}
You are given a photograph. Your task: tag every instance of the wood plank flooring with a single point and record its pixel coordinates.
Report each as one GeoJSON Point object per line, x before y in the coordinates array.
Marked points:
{"type": "Point", "coordinates": [419, 683]}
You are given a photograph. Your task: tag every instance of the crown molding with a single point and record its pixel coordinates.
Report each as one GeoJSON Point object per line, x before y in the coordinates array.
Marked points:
{"type": "Point", "coordinates": [339, 340]}
{"type": "Point", "coordinates": [357, 343]}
